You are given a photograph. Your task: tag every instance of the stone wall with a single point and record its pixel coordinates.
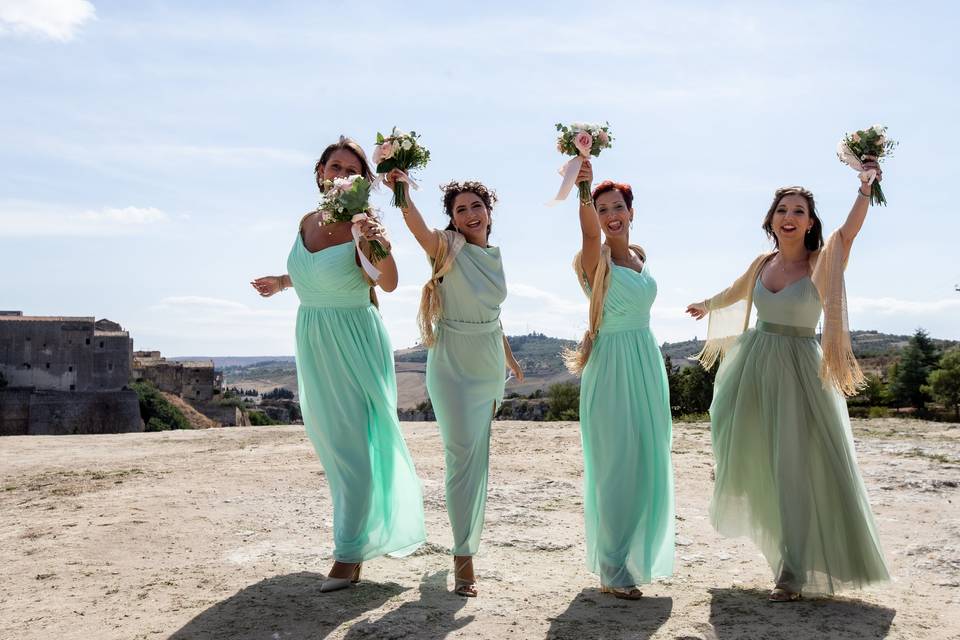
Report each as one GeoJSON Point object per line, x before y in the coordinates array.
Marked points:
{"type": "Point", "coordinates": [198, 381]}
{"type": "Point", "coordinates": [23, 412]}
{"type": "Point", "coordinates": [63, 354]}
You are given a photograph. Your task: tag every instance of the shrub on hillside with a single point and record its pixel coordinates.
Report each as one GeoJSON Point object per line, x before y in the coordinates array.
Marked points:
{"type": "Point", "coordinates": [158, 413]}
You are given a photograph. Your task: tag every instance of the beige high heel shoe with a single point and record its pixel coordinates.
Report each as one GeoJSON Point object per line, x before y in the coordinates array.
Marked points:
{"type": "Point", "coordinates": [461, 586]}
{"type": "Point", "coordinates": [624, 593]}
{"type": "Point", "coordinates": [335, 584]}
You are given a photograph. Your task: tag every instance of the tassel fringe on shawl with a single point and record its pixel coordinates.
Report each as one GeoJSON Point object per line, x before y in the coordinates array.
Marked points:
{"type": "Point", "coordinates": [729, 316]}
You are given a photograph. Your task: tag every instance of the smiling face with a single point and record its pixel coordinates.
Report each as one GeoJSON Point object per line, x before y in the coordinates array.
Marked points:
{"type": "Point", "coordinates": [471, 217]}
{"type": "Point", "coordinates": [342, 163]}
{"type": "Point", "coordinates": [615, 216]}
{"type": "Point", "coordinates": [791, 219]}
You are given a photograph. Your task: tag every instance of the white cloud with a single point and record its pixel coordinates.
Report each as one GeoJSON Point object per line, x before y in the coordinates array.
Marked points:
{"type": "Point", "coordinates": [547, 301]}
{"type": "Point", "coordinates": [896, 306]}
{"type": "Point", "coordinates": [20, 219]}
{"type": "Point", "coordinates": [52, 19]}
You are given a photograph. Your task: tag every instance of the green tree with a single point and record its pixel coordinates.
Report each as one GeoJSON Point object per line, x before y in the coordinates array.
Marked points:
{"type": "Point", "coordinates": [564, 401]}
{"type": "Point", "coordinates": [944, 383]}
{"type": "Point", "coordinates": [695, 389]}
{"type": "Point", "coordinates": [874, 394]}
{"type": "Point", "coordinates": [260, 419]}
{"type": "Point", "coordinates": [158, 413]}
{"type": "Point", "coordinates": [673, 382]}
{"type": "Point", "coordinates": [916, 362]}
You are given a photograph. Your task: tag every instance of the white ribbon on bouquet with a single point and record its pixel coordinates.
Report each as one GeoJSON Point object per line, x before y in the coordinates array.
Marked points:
{"type": "Point", "coordinates": [371, 270]}
{"type": "Point", "coordinates": [405, 178]}
{"type": "Point", "coordinates": [848, 158]}
{"type": "Point", "coordinates": [569, 171]}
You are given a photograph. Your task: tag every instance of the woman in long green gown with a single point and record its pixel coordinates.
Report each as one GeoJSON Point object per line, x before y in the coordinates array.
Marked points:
{"type": "Point", "coordinates": [786, 470]}
{"type": "Point", "coordinates": [347, 383]}
{"type": "Point", "coordinates": [467, 354]}
{"type": "Point", "coordinates": [625, 422]}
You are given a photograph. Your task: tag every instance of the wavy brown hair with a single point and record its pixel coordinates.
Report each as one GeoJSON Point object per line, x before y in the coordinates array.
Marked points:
{"type": "Point", "coordinates": [350, 145]}
{"type": "Point", "coordinates": [812, 240]}
{"type": "Point", "coordinates": [455, 187]}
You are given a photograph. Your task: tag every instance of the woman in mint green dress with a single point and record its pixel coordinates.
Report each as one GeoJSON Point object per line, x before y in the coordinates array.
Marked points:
{"type": "Point", "coordinates": [460, 324]}
{"type": "Point", "coordinates": [347, 383]}
{"type": "Point", "coordinates": [786, 470]}
{"type": "Point", "coordinates": [625, 422]}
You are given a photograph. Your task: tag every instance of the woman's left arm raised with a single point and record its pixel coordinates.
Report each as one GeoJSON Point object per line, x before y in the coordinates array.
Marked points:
{"type": "Point", "coordinates": [858, 213]}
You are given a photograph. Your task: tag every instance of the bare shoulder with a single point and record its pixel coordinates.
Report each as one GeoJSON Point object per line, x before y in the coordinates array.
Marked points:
{"type": "Point", "coordinates": [308, 216]}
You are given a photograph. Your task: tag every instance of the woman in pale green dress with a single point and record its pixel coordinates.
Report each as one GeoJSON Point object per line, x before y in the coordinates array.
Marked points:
{"type": "Point", "coordinates": [786, 470]}
{"type": "Point", "coordinates": [347, 383]}
{"type": "Point", "coordinates": [625, 422]}
{"type": "Point", "coordinates": [460, 323]}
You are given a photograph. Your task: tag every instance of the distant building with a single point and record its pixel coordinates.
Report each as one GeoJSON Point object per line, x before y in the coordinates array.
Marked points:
{"type": "Point", "coordinates": [56, 353]}
{"type": "Point", "coordinates": [191, 380]}
{"type": "Point", "coordinates": [65, 375]}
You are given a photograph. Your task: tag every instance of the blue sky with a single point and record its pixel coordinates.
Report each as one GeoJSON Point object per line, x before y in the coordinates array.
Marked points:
{"type": "Point", "coordinates": [156, 156]}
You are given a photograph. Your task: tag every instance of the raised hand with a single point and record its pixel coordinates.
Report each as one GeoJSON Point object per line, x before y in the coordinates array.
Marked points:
{"type": "Point", "coordinates": [371, 229]}
{"type": "Point", "coordinates": [697, 310]}
{"type": "Point", "coordinates": [586, 173]}
{"type": "Point", "coordinates": [393, 177]}
{"type": "Point", "coordinates": [870, 162]}
{"type": "Point", "coordinates": [267, 285]}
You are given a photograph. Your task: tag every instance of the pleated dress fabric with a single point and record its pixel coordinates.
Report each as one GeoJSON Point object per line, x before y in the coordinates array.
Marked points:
{"type": "Point", "coordinates": [348, 396]}
{"type": "Point", "coordinates": [626, 430]}
{"type": "Point", "coordinates": [465, 380]}
{"type": "Point", "coordinates": [786, 469]}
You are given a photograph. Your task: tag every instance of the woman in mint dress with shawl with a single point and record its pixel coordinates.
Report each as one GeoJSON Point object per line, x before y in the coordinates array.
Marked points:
{"type": "Point", "coordinates": [468, 353]}
{"type": "Point", "coordinates": [347, 383]}
{"type": "Point", "coordinates": [786, 469]}
{"type": "Point", "coordinates": [625, 422]}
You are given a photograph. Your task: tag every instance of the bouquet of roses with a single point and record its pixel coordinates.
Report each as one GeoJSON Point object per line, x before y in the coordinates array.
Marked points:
{"type": "Point", "coordinates": [348, 200]}
{"type": "Point", "coordinates": [580, 140]}
{"type": "Point", "coordinates": [401, 151]}
{"type": "Point", "coordinates": [869, 144]}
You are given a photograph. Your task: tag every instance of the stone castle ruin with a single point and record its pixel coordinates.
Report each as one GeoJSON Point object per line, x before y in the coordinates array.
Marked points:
{"type": "Point", "coordinates": [63, 374]}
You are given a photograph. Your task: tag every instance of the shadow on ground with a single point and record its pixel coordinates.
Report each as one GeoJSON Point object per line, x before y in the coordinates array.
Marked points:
{"type": "Point", "coordinates": [289, 606]}
{"type": "Point", "coordinates": [432, 617]}
{"type": "Point", "coordinates": [595, 616]}
{"type": "Point", "coordinates": [742, 614]}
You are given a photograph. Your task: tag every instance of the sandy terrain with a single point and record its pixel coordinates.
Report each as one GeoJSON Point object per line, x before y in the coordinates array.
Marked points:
{"type": "Point", "coordinates": [225, 533]}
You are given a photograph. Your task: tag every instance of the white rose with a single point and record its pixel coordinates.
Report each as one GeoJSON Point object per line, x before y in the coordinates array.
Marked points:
{"type": "Point", "coordinates": [878, 128]}
{"type": "Point", "coordinates": [407, 144]}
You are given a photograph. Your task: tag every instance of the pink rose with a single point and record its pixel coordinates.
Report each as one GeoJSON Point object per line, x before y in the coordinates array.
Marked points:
{"type": "Point", "coordinates": [603, 138]}
{"type": "Point", "coordinates": [583, 142]}
{"type": "Point", "coordinates": [386, 151]}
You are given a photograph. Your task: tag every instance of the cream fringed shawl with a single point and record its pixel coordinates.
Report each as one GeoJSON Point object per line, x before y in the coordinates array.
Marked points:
{"type": "Point", "coordinates": [449, 244]}
{"type": "Point", "coordinates": [576, 359]}
{"type": "Point", "coordinates": [730, 316]}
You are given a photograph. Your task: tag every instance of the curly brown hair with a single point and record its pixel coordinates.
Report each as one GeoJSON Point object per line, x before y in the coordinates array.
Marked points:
{"type": "Point", "coordinates": [812, 240]}
{"type": "Point", "coordinates": [343, 143]}
{"type": "Point", "coordinates": [455, 187]}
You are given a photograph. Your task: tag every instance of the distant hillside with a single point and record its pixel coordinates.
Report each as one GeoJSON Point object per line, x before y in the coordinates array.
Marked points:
{"type": "Point", "coordinates": [221, 362]}
{"type": "Point", "coordinates": [541, 359]}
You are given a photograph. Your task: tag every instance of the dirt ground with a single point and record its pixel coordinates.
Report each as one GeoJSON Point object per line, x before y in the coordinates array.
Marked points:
{"type": "Point", "coordinates": [226, 533]}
